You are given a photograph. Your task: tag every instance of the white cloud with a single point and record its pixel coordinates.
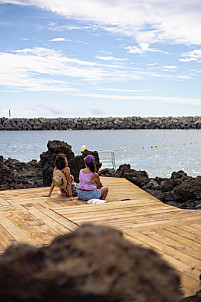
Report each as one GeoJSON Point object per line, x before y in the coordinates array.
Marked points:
{"type": "Point", "coordinates": [186, 60]}
{"type": "Point", "coordinates": [152, 64]}
{"type": "Point", "coordinates": [109, 58]}
{"type": "Point", "coordinates": [17, 2]}
{"type": "Point", "coordinates": [43, 69]}
{"type": "Point", "coordinates": [190, 56]}
{"type": "Point", "coordinates": [170, 67]}
{"type": "Point", "coordinates": [122, 90]}
{"type": "Point", "coordinates": [141, 49]}
{"type": "Point", "coordinates": [149, 21]}
{"type": "Point", "coordinates": [39, 69]}
{"type": "Point", "coordinates": [184, 77]}
{"type": "Point", "coordinates": [59, 40]}
{"type": "Point", "coordinates": [176, 100]}
{"type": "Point", "coordinates": [55, 27]}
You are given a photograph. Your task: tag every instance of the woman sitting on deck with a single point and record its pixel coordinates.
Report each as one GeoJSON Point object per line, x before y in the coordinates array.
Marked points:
{"type": "Point", "coordinates": [63, 179]}
{"type": "Point", "coordinates": [90, 186]}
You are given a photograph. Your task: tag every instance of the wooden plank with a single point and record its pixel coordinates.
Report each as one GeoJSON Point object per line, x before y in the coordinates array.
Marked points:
{"type": "Point", "coordinates": [177, 237]}
{"type": "Point", "coordinates": [14, 231]}
{"type": "Point", "coordinates": [189, 284]}
{"type": "Point", "coordinates": [175, 244]}
{"type": "Point", "coordinates": [135, 212]}
{"type": "Point", "coordinates": [192, 231]}
{"type": "Point", "coordinates": [169, 250]}
{"type": "Point", "coordinates": [153, 223]}
{"type": "Point", "coordinates": [184, 233]}
{"type": "Point", "coordinates": [135, 241]}
{"type": "Point", "coordinates": [32, 227]}
{"type": "Point", "coordinates": [196, 227]}
{"type": "Point", "coordinates": [3, 203]}
{"type": "Point", "coordinates": [182, 268]}
{"type": "Point", "coordinates": [134, 220]}
{"type": "Point", "coordinates": [116, 207]}
{"type": "Point", "coordinates": [5, 238]}
{"type": "Point", "coordinates": [63, 221]}
{"type": "Point", "coordinates": [43, 216]}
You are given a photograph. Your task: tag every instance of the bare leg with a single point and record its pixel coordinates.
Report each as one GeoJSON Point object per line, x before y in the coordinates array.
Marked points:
{"type": "Point", "coordinates": [104, 192]}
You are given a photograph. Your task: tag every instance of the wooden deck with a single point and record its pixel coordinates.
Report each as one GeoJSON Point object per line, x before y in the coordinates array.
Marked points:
{"type": "Point", "coordinates": [27, 217]}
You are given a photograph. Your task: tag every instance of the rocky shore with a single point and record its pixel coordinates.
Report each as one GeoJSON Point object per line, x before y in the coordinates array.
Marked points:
{"type": "Point", "coordinates": [179, 190]}
{"type": "Point", "coordinates": [133, 122]}
{"type": "Point", "coordinates": [19, 175]}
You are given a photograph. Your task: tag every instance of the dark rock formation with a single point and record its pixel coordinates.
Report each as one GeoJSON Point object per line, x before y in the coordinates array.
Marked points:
{"type": "Point", "coordinates": [17, 175]}
{"type": "Point", "coordinates": [91, 264]}
{"type": "Point", "coordinates": [75, 163]}
{"type": "Point", "coordinates": [180, 190]}
{"type": "Point", "coordinates": [132, 122]}
{"type": "Point", "coordinates": [26, 175]}
{"type": "Point", "coordinates": [6, 176]}
{"type": "Point", "coordinates": [47, 159]}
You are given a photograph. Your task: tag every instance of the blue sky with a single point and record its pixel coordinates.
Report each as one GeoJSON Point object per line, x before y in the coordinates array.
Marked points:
{"type": "Point", "coordinates": [90, 58]}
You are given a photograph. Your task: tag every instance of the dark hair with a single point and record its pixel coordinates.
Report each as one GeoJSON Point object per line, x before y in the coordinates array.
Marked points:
{"type": "Point", "coordinates": [92, 166]}
{"type": "Point", "coordinates": [60, 162]}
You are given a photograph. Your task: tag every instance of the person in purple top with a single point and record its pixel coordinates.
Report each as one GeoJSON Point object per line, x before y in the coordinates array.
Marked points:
{"type": "Point", "coordinates": [90, 186]}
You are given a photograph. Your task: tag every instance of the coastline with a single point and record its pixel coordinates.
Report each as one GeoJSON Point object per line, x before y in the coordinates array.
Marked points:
{"type": "Point", "coordinates": [180, 190]}
{"type": "Point", "coordinates": [92, 123]}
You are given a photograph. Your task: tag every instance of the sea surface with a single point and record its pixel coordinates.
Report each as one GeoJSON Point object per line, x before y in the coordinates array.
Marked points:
{"type": "Point", "coordinates": [159, 152]}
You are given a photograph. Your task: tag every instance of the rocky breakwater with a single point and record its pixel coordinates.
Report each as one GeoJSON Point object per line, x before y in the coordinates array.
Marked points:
{"type": "Point", "coordinates": [19, 175]}
{"type": "Point", "coordinates": [133, 122]}
{"type": "Point", "coordinates": [180, 190]}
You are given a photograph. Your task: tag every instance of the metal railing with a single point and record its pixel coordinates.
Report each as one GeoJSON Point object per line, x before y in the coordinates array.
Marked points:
{"type": "Point", "coordinates": [107, 156]}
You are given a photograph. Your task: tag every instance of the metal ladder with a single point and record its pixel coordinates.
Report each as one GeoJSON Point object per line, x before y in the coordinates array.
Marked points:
{"type": "Point", "coordinates": [107, 157]}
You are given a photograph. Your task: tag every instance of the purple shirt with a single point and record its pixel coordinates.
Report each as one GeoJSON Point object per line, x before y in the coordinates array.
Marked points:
{"type": "Point", "coordinates": [85, 181]}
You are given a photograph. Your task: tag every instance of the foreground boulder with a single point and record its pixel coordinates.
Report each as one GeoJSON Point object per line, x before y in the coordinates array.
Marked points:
{"type": "Point", "coordinates": [91, 264]}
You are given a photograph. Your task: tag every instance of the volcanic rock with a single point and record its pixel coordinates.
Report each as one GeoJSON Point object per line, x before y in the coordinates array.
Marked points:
{"type": "Point", "coordinates": [6, 176]}
{"type": "Point", "coordinates": [91, 264]}
{"type": "Point", "coordinates": [75, 163]}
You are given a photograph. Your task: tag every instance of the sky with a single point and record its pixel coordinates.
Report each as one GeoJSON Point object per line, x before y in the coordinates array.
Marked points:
{"type": "Point", "coordinates": [100, 58]}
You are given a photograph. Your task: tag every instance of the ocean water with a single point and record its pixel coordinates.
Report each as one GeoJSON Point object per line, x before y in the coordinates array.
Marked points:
{"type": "Point", "coordinates": [159, 152]}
